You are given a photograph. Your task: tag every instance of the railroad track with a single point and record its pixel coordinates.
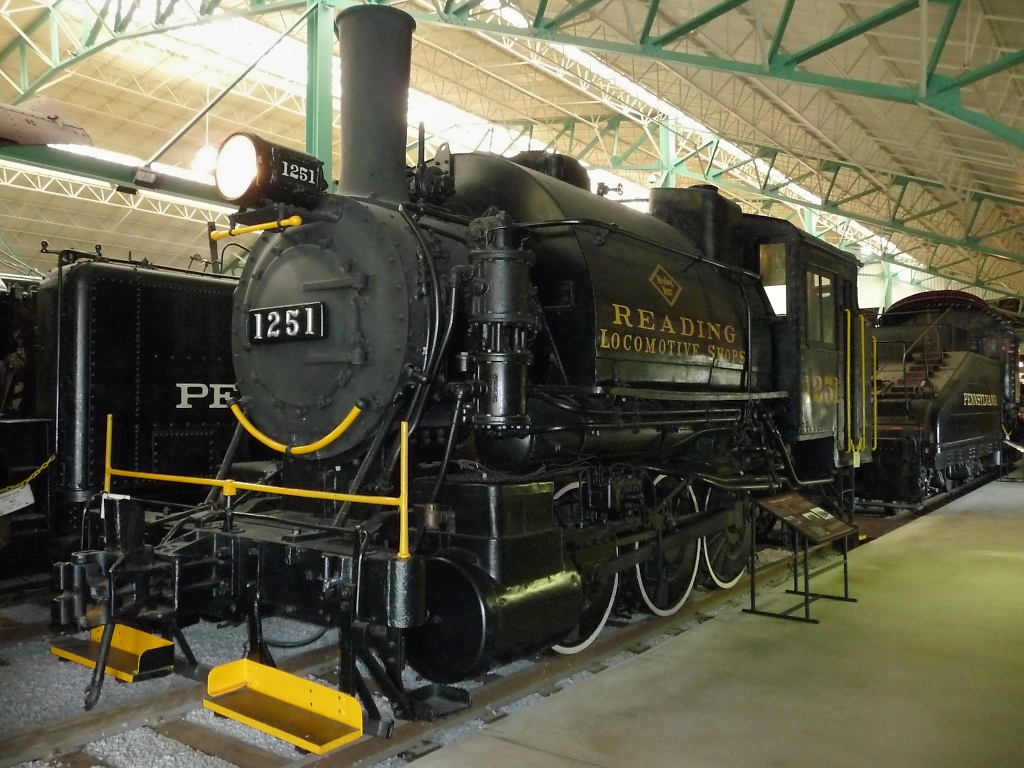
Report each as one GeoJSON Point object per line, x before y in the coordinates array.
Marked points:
{"type": "Point", "coordinates": [14, 632]}
{"type": "Point", "coordinates": [22, 593]}
{"type": "Point", "coordinates": [62, 743]}
{"type": "Point", "coordinates": [64, 739]}
{"type": "Point", "coordinates": [33, 592]}
{"type": "Point", "coordinates": [873, 521]}
{"type": "Point", "coordinates": [883, 509]}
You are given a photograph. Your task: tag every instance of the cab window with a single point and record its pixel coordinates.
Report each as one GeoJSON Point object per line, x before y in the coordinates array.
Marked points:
{"type": "Point", "coordinates": [821, 309]}
{"type": "Point", "coordinates": [772, 258]}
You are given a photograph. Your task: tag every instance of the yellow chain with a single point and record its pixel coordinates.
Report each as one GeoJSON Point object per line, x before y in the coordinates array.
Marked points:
{"type": "Point", "coordinates": [31, 477]}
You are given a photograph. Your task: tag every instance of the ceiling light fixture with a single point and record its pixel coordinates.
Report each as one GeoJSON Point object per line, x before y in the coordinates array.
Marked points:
{"type": "Point", "coordinates": [205, 161]}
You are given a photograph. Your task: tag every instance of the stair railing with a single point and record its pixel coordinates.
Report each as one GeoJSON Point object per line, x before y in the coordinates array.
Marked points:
{"type": "Point", "coordinates": [908, 350]}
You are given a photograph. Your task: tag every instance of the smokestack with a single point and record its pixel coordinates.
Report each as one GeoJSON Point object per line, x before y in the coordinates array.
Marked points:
{"type": "Point", "coordinates": [376, 51]}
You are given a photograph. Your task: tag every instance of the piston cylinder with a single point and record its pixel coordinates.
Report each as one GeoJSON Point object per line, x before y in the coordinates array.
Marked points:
{"type": "Point", "coordinates": [502, 321]}
{"type": "Point", "coordinates": [473, 621]}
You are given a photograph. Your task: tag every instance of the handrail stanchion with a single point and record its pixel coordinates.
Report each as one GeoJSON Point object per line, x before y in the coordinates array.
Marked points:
{"type": "Point", "coordinates": [874, 391]}
{"type": "Point", "coordinates": [229, 490]}
{"type": "Point", "coordinates": [106, 459]}
{"type": "Point", "coordinates": [850, 446]}
{"type": "Point", "coordinates": [403, 496]}
{"type": "Point", "coordinates": [862, 443]}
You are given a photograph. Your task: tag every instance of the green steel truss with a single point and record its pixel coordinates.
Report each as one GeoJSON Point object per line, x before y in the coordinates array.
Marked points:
{"type": "Point", "coordinates": [661, 39]}
{"type": "Point", "coordinates": [27, 65]}
{"type": "Point", "coordinates": [898, 206]}
{"type": "Point", "coordinates": [891, 204]}
{"type": "Point", "coordinates": [60, 169]}
{"type": "Point", "coordinates": [77, 30]}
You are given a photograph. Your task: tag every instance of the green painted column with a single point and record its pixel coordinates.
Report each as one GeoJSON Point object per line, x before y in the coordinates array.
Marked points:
{"type": "Point", "coordinates": [320, 42]}
{"type": "Point", "coordinates": [810, 221]}
{"type": "Point", "coordinates": [667, 150]}
{"type": "Point", "coordinates": [887, 280]}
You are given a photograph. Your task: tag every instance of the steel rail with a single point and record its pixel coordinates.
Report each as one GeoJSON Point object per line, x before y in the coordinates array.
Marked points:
{"type": "Point", "coordinates": [70, 734]}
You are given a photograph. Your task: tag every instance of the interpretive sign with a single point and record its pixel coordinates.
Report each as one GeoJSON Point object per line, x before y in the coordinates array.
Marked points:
{"type": "Point", "coordinates": [807, 518]}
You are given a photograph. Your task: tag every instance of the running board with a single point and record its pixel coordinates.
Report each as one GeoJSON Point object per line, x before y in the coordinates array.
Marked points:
{"type": "Point", "coordinates": [134, 655]}
{"type": "Point", "coordinates": [309, 715]}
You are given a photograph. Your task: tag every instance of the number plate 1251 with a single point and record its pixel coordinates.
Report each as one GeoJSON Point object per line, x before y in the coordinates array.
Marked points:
{"type": "Point", "coordinates": [296, 322]}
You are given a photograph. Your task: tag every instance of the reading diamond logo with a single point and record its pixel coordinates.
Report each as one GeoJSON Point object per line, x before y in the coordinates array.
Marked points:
{"type": "Point", "coordinates": [666, 285]}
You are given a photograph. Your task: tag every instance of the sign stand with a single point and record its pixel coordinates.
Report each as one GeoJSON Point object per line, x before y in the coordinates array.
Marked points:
{"type": "Point", "coordinates": [809, 524]}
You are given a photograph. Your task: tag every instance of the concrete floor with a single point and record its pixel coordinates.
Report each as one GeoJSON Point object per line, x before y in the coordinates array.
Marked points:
{"type": "Point", "coordinates": [926, 670]}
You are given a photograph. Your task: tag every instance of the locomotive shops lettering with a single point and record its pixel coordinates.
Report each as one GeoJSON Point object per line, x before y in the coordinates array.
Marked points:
{"type": "Point", "coordinates": [977, 399]}
{"type": "Point", "coordinates": [672, 335]}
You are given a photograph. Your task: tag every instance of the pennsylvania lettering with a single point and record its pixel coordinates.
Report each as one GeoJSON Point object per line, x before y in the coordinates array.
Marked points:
{"type": "Point", "coordinates": [976, 399]}
{"type": "Point", "coordinates": [694, 337]}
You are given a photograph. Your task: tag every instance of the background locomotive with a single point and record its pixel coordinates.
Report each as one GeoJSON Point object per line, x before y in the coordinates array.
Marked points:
{"type": "Point", "coordinates": [17, 338]}
{"type": "Point", "coordinates": [592, 394]}
{"type": "Point", "coordinates": [148, 344]}
{"type": "Point", "coordinates": [947, 394]}
{"type": "Point", "coordinates": [20, 452]}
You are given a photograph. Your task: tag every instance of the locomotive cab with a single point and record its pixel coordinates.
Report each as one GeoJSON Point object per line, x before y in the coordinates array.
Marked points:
{"type": "Point", "coordinates": [821, 339]}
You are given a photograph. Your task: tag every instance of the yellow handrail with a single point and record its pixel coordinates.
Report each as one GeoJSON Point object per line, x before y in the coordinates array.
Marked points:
{"type": "Point", "coordinates": [874, 390]}
{"type": "Point", "coordinates": [850, 447]}
{"type": "Point", "coordinates": [231, 486]}
{"type": "Point", "coordinates": [403, 496]}
{"type": "Point", "coordinates": [296, 450]}
{"type": "Point", "coordinates": [291, 221]}
{"type": "Point", "coordinates": [106, 455]}
{"type": "Point", "coordinates": [862, 443]}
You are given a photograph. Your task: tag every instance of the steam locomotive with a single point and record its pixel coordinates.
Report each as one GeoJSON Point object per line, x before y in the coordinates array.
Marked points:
{"type": "Point", "coordinates": [149, 345]}
{"type": "Point", "coordinates": [947, 390]}
{"type": "Point", "coordinates": [20, 454]}
{"type": "Point", "coordinates": [591, 395]}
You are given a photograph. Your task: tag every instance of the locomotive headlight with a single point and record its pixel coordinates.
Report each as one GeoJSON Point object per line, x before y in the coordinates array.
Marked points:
{"type": "Point", "coordinates": [237, 166]}
{"type": "Point", "coordinates": [251, 170]}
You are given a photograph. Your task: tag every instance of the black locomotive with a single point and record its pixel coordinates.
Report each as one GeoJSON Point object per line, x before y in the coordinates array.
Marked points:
{"type": "Point", "coordinates": [17, 339]}
{"type": "Point", "coordinates": [21, 450]}
{"type": "Point", "coordinates": [149, 345]}
{"type": "Point", "coordinates": [947, 393]}
{"type": "Point", "coordinates": [592, 395]}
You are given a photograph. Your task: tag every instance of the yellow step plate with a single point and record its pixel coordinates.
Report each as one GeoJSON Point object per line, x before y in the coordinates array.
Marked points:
{"type": "Point", "coordinates": [306, 714]}
{"type": "Point", "coordinates": [134, 655]}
